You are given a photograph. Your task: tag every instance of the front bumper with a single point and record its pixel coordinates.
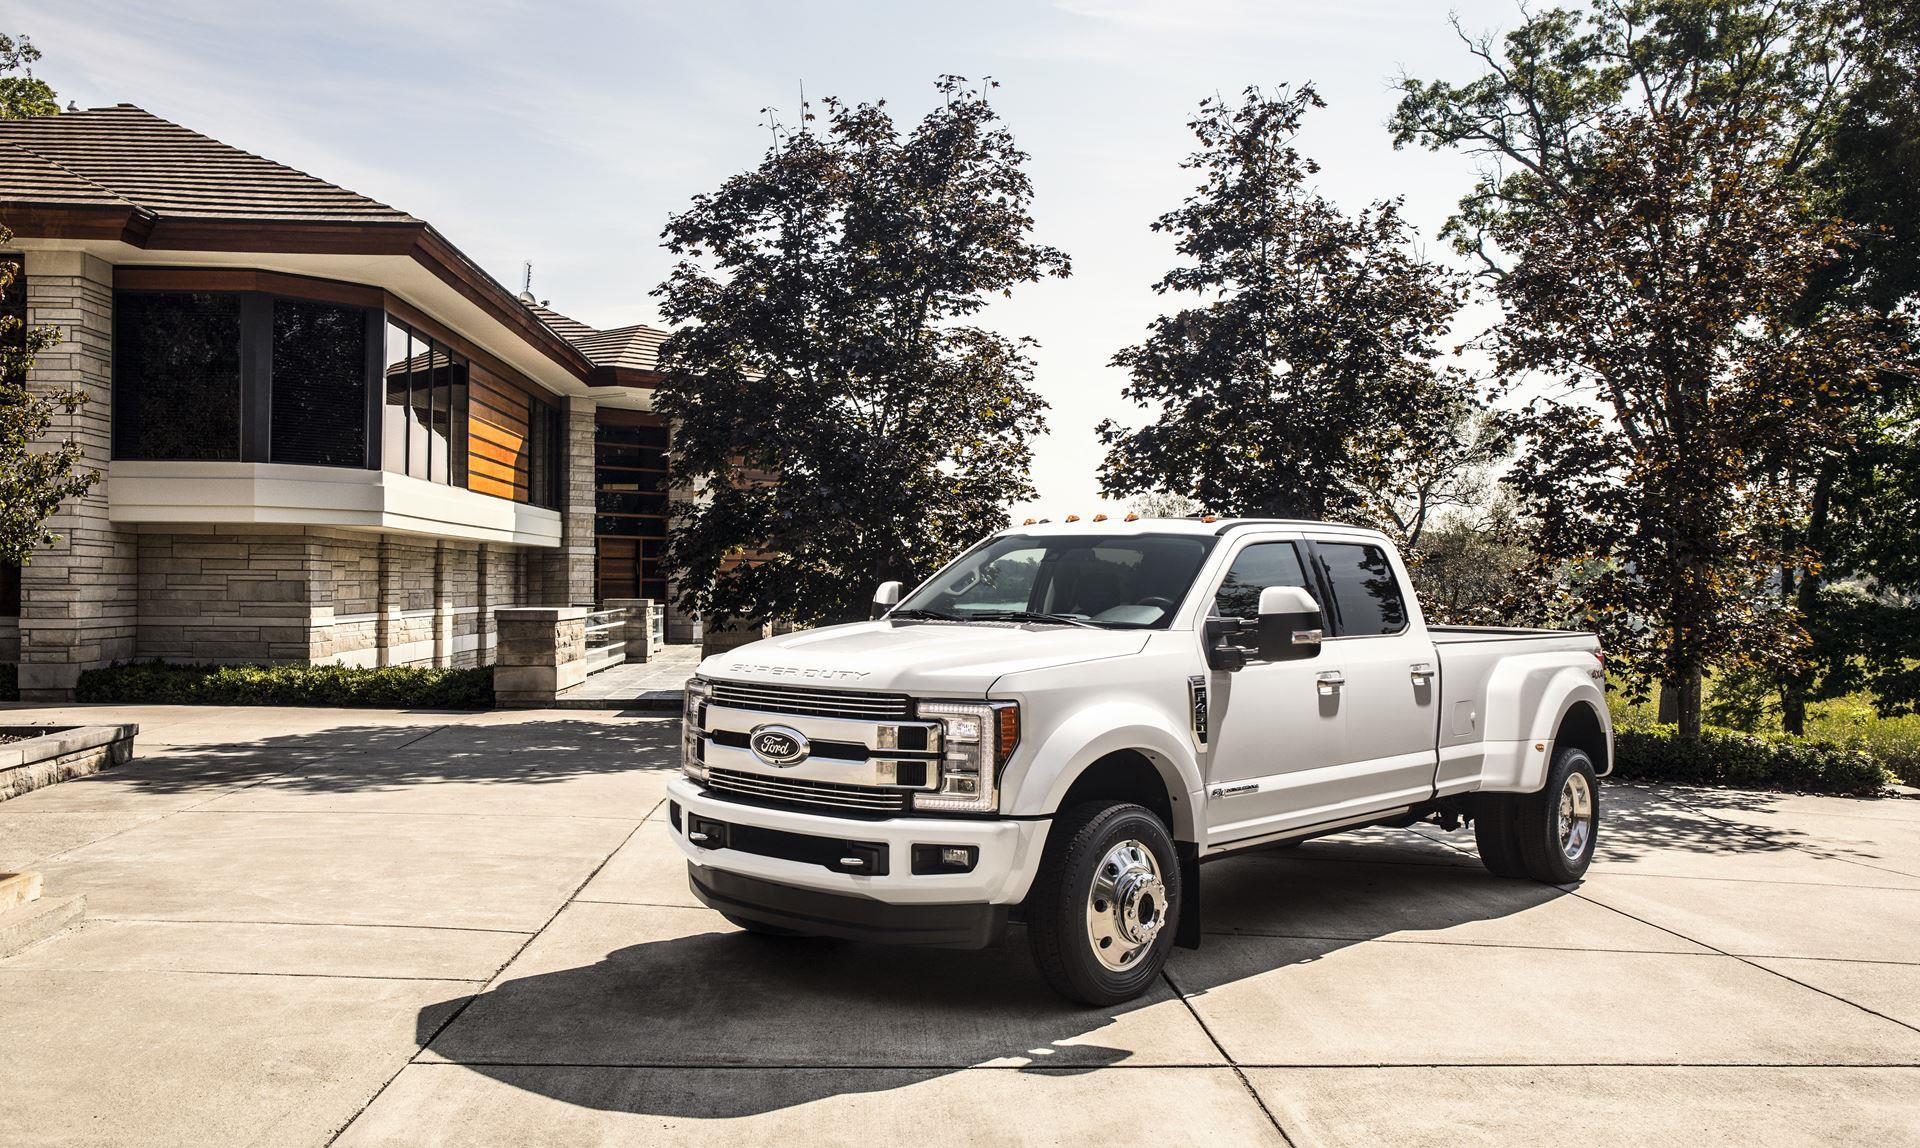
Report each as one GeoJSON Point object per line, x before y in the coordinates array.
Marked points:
{"type": "Point", "coordinates": [1008, 851]}
{"type": "Point", "coordinates": [841, 915]}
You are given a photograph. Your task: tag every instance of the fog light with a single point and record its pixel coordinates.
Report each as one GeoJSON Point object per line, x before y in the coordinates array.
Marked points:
{"type": "Point", "coordinates": [930, 859]}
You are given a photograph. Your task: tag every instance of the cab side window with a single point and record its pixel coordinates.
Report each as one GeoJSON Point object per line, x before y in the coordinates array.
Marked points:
{"type": "Point", "coordinates": [1366, 596]}
{"type": "Point", "coordinates": [1259, 566]}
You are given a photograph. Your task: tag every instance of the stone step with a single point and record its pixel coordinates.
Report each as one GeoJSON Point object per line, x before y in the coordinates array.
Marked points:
{"type": "Point", "coordinates": [35, 921]}
{"type": "Point", "coordinates": [18, 888]}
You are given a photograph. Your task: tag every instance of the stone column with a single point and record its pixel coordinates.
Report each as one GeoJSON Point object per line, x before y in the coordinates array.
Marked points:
{"type": "Point", "coordinates": [638, 632]}
{"type": "Point", "coordinates": [79, 597]}
{"type": "Point", "coordinates": [577, 508]}
{"type": "Point", "coordinates": [542, 654]}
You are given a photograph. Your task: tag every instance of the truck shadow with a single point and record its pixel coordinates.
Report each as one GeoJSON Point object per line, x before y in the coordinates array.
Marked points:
{"type": "Point", "coordinates": [718, 1023]}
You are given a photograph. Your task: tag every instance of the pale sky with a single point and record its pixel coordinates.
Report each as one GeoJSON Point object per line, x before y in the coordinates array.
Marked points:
{"type": "Point", "coordinates": [566, 133]}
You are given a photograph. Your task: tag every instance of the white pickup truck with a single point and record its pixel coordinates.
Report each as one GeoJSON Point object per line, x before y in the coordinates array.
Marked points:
{"type": "Point", "coordinates": [1062, 725]}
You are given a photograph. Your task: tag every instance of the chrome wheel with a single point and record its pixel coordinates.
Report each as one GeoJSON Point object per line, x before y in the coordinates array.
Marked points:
{"type": "Point", "coordinates": [1126, 905]}
{"type": "Point", "coordinates": [1576, 816]}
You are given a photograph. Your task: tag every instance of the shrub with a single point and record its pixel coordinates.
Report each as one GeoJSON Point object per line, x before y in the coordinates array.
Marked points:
{"type": "Point", "coordinates": [389, 687]}
{"type": "Point", "coordinates": [1748, 760]}
{"type": "Point", "coordinates": [9, 682]}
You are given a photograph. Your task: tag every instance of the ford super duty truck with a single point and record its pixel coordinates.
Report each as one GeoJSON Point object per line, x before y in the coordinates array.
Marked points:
{"type": "Point", "coordinates": [1065, 723]}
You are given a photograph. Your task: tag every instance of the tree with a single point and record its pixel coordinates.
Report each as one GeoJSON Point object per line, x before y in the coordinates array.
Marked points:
{"type": "Point", "coordinates": [1473, 568]}
{"type": "Point", "coordinates": [1306, 367]}
{"type": "Point", "coordinates": [1862, 501]}
{"type": "Point", "coordinates": [35, 477]}
{"type": "Point", "coordinates": [1796, 80]}
{"type": "Point", "coordinates": [22, 94]}
{"type": "Point", "coordinates": [1158, 504]}
{"type": "Point", "coordinates": [1667, 285]}
{"type": "Point", "coordinates": [845, 423]}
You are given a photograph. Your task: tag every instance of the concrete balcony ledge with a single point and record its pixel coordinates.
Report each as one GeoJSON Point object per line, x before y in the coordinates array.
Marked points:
{"type": "Point", "coordinates": [277, 494]}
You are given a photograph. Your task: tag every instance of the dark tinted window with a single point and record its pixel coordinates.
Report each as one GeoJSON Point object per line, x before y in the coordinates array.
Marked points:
{"type": "Point", "coordinates": [457, 424]}
{"type": "Point", "coordinates": [176, 376]}
{"type": "Point", "coordinates": [1365, 593]}
{"type": "Point", "coordinates": [393, 429]}
{"type": "Point", "coordinates": [543, 455]}
{"type": "Point", "coordinates": [1259, 566]}
{"type": "Point", "coordinates": [319, 384]}
{"type": "Point", "coordinates": [1130, 580]}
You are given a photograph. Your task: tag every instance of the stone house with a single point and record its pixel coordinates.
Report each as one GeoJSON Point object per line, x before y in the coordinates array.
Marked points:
{"type": "Point", "coordinates": [326, 435]}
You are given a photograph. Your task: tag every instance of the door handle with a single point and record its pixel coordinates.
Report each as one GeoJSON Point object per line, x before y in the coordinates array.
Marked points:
{"type": "Point", "coordinates": [1330, 681]}
{"type": "Point", "coordinates": [1422, 673]}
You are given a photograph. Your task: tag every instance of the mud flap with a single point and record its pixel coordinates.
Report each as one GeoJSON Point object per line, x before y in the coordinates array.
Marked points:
{"type": "Point", "coordinates": [1186, 932]}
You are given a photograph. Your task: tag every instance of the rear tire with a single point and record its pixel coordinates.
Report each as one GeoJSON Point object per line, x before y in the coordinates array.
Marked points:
{"type": "Point", "coordinates": [1556, 828]}
{"type": "Point", "coordinates": [1493, 832]}
{"type": "Point", "coordinates": [1101, 917]}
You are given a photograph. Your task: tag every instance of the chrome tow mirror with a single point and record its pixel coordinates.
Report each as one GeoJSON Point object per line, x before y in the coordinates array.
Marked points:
{"type": "Point", "coordinates": [886, 598]}
{"type": "Point", "coordinates": [1291, 625]}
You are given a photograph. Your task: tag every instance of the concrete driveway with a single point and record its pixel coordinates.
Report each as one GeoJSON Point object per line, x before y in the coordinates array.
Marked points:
{"type": "Point", "coordinates": [408, 928]}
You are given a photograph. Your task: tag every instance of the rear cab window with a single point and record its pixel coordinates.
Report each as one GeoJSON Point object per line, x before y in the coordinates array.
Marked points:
{"type": "Point", "coordinates": [1367, 598]}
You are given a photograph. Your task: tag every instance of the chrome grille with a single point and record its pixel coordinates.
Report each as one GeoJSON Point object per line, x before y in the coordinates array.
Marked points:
{"type": "Point", "coordinates": [809, 702]}
{"type": "Point", "coordinates": [869, 799]}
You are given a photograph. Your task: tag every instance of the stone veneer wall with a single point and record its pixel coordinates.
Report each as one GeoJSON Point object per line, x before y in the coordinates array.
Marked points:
{"type": "Point", "coordinates": [78, 595]}
{"type": "Point", "coordinates": [314, 595]}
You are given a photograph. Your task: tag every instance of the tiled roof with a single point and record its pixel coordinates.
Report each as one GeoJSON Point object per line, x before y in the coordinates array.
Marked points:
{"type": "Point", "coordinates": [635, 347]}
{"type": "Point", "coordinates": [566, 328]}
{"type": "Point", "coordinates": [126, 155]}
{"type": "Point", "coordinates": [124, 173]}
{"type": "Point", "coordinates": [30, 178]}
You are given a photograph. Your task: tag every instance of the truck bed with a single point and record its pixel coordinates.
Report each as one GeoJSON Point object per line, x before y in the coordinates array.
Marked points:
{"type": "Point", "coordinates": [1455, 635]}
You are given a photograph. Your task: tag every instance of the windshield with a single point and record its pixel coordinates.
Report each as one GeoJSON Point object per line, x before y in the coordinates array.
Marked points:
{"type": "Point", "coordinates": [1129, 581]}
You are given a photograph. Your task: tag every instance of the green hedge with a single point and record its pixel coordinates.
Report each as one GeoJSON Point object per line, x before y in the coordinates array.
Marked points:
{"type": "Point", "coordinates": [391, 687]}
{"type": "Point", "coordinates": [1747, 760]}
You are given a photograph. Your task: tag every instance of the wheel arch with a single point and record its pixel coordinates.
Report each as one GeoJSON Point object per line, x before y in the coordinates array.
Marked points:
{"type": "Point", "coordinates": [1582, 726]}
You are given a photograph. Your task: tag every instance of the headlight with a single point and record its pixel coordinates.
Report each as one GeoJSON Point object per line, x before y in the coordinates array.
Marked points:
{"type": "Point", "coordinates": [693, 728]}
{"type": "Point", "coordinates": [978, 739]}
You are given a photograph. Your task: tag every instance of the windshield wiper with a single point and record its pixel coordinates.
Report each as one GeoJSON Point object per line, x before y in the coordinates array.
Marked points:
{"type": "Point", "coordinates": [1032, 616]}
{"type": "Point", "coordinates": [912, 613]}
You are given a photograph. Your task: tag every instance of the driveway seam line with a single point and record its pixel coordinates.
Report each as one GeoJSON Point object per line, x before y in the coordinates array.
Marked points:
{"type": "Point", "coordinates": [1751, 964]}
{"type": "Point", "coordinates": [1479, 945]}
{"type": "Point", "coordinates": [414, 1057]}
{"type": "Point", "coordinates": [1184, 1066]}
{"type": "Point", "coordinates": [309, 924]}
{"type": "Point", "coordinates": [1755, 833]}
{"type": "Point", "coordinates": [1226, 1056]}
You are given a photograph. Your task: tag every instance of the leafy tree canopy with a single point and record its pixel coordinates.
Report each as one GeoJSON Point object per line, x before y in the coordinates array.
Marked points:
{"type": "Point", "coordinates": [842, 420]}
{"type": "Point", "coordinates": [22, 94]}
{"type": "Point", "coordinates": [35, 477]}
{"type": "Point", "coordinates": [1667, 285]}
{"type": "Point", "coordinates": [1304, 374]}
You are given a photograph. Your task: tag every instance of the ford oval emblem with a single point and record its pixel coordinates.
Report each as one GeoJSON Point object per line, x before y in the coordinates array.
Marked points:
{"type": "Point", "coordinates": [778, 744]}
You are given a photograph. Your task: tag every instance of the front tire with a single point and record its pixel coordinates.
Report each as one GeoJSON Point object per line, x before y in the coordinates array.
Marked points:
{"type": "Point", "coordinates": [1101, 916]}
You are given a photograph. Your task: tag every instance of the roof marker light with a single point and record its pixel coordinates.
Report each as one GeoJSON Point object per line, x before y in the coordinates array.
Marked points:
{"type": "Point", "coordinates": [1131, 517]}
{"type": "Point", "coordinates": [1099, 518]}
{"type": "Point", "coordinates": [1028, 522]}
{"type": "Point", "coordinates": [1073, 518]}
{"type": "Point", "coordinates": [1209, 518]}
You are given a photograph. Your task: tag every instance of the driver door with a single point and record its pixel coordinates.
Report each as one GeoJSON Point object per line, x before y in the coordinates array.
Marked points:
{"type": "Point", "coordinates": [1279, 737]}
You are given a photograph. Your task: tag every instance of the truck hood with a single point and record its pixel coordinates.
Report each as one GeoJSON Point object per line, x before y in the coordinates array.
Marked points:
{"type": "Point", "coordinates": [920, 658]}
